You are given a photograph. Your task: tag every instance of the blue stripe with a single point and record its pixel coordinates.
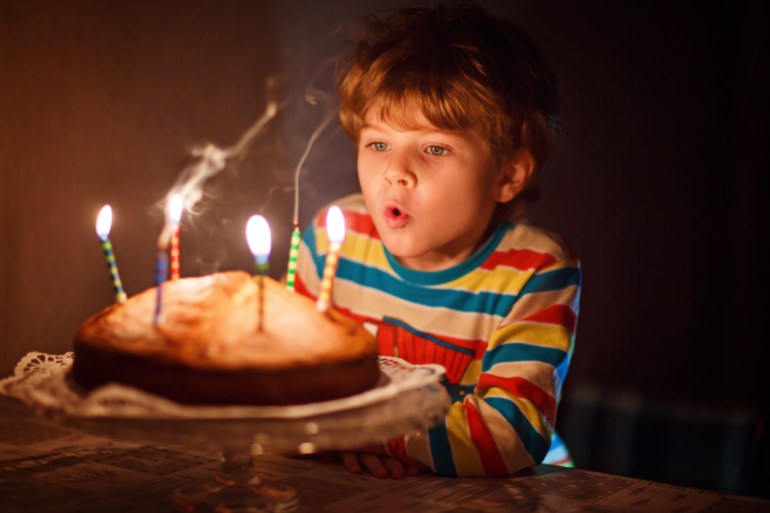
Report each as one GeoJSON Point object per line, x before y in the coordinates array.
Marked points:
{"type": "Point", "coordinates": [552, 280]}
{"type": "Point", "coordinates": [455, 272]}
{"type": "Point", "coordinates": [533, 441]}
{"type": "Point", "coordinates": [308, 238]}
{"type": "Point", "coordinates": [521, 352]}
{"type": "Point", "coordinates": [441, 450]}
{"type": "Point", "coordinates": [563, 367]}
{"type": "Point", "coordinates": [490, 303]}
{"type": "Point", "coordinates": [458, 300]}
{"type": "Point", "coordinates": [428, 336]}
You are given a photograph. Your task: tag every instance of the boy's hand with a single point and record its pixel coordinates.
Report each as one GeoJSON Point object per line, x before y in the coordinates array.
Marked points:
{"type": "Point", "coordinates": [374, 460]}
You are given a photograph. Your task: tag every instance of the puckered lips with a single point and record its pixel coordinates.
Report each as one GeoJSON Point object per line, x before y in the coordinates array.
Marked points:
{"type": "Point", "coordinates": [395, 215]}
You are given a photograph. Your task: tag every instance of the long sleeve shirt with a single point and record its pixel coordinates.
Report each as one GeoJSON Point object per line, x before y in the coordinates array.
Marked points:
{"type": "Point", "coordinates": [502, 323]}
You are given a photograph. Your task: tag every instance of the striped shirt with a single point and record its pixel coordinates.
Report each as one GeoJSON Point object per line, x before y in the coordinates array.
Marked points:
{"type": "Point", "coordinates": [502, 323]}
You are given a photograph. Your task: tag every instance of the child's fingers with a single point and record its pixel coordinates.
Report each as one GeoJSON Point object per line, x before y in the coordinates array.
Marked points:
{"type": "Point", "coordinates": [412, 470]}
{"type": "Point", "coordinates": [350, 461]}
{"type": "Point", "coordinates": [374, 465]}
{"type": "Point", "coordinates": [395, 467]}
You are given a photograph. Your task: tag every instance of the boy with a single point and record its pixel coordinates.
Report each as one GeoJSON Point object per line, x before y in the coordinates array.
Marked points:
{"type": "Point", "coordinates": [451, 111]}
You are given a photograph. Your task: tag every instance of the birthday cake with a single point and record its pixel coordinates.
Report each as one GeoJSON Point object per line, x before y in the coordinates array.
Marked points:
{"type": "Point", "coordinates": [207, 347]}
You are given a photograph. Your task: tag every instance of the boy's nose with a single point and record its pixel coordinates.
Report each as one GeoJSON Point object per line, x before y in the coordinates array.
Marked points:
{"type": "Point", "coordinates": [400, 176]}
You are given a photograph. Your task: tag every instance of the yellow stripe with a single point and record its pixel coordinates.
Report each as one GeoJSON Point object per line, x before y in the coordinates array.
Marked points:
{"type": "Point", "coordinates": [539, 334]}
{"type": "Point", "coordinates": [502, 279]}
{"type": "Point", "coordinates": [361, 249]}
{"type": "Point", "coordinates": [471, 375]}
{"type": "Point", "coordinates": [466, 458]}
{"type": "Point", "coordinates": [321, 241]}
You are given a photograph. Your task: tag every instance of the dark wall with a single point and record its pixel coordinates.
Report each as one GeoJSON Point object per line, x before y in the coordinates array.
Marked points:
{"type": "Point", "coordinates": [657, 179]}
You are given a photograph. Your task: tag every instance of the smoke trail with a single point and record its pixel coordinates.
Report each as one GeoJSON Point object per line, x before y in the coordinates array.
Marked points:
{"type": "Point", "coordinates": [312, 96]}
{"type": "Point", "coordinates": [210, 160]}
{"type": "Point", "coordinates": [297, 171]}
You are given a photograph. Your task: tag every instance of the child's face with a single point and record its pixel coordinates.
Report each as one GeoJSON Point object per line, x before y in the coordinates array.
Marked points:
{"type": "Point", "coordinates": [430, 192]}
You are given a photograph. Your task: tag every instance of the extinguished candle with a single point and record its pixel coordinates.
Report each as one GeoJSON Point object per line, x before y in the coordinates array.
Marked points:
{"type": "Point", "coordinates": [291, 273]}
{"type": "Point", "coordinates": [103, 226]}
{"type": "Point", "coordinates": [175, 215]}
{"type": "Point", "coordinates": [335, 231]}
{"type": "Point", "coordinates": [161, 273]}
{"type": "Point", "coordinates": [259, 240]}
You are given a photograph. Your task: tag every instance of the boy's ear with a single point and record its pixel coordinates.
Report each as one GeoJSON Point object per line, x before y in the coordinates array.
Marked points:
{"type": "Point", "coordinates": [514, 176]}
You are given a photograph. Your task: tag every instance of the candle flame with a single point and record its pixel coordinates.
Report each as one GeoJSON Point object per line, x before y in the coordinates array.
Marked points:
{"type": "Point", "coordinates": [335, 224]}
{"type": "Point", "coordinates": [175, 209]}
{"type": "Point", "coordinates": [104, 222]}
{"type": "Point", "coordinates": [258, 236]}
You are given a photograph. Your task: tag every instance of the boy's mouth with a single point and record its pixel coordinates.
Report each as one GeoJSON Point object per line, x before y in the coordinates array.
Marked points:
{"type": "Point", "coordinates": [395, 217]}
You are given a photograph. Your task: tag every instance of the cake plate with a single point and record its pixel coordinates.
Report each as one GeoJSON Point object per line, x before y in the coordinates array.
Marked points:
{"type": "Point", "coordinates": [407, 398]}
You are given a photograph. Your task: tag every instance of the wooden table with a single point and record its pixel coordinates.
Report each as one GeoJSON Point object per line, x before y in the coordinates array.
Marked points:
{"type": "Point", "coordinates": [47, 468]}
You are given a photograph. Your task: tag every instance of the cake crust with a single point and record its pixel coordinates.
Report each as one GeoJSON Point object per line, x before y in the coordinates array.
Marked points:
{"type": "Point", "coordinates": [208, 350]}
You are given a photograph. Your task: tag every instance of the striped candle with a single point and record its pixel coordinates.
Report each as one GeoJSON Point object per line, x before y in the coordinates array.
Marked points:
{"type": "Point", "coordinates": [335, 231]}
{"type": "Point", "coordinates": [103, 226]}
{"type": "Point", "coordinates": [259, 240]}
{"type": "Point", "coordinates": [175, 216]}
{"type": "Point", "coordinates": [291, 273]}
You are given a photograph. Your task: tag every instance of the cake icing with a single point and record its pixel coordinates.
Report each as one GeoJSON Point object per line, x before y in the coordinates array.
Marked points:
{"type": "Point", "coordinates": [207, 348]}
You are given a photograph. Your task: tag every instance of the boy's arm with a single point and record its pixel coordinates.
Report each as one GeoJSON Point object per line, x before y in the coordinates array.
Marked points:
{"type": "Point", "coordinates": [505, 424]}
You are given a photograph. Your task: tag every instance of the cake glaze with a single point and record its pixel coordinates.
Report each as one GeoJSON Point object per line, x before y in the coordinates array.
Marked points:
{"type": "Point", "coordinates": [207, 348]}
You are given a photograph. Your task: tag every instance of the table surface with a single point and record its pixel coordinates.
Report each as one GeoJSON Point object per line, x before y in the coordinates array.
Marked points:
{"type": "Point", "coordinates": [49, 468]}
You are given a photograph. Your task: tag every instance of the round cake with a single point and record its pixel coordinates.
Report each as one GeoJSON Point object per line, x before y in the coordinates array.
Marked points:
{"type": "Point", "coordinates": [208, 349]}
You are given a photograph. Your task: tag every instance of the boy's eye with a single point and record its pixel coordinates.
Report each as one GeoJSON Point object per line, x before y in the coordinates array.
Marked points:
{"type": "Point", "coordinates": [437, 151]}
{"type": "Point", "coordinates": [378, 146]}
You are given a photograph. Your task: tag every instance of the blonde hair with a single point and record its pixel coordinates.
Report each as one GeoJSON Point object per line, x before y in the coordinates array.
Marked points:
{"type": "Point", "coordinates": [461, 69]}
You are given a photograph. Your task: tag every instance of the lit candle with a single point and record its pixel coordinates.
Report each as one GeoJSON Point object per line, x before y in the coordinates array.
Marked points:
{"type": "Point", "coordinates": [103, 225]}
{"type": "Point", "coordinates": [175, 215]}
{"type": "Point", "coordinates": [293, 252]}
{"type": "Point", "coordinates": [335, 231]}
{"type": "Point", "coordinates": [258, 237]}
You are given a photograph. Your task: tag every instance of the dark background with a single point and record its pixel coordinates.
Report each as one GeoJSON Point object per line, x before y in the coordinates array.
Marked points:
{"type": "Point", "coordinates": [657, 181]}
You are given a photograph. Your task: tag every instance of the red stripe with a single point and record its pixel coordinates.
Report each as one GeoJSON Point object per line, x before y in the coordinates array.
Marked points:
{"type": "Point", "coordinates": [524, 389]}
{"type": "Point", "coordinates": [348, 313]}
{"type": "Point", "coordinates": [397, 449]}
{"type": "Point", "coordinates": [386, 340]}
{"type": "Point", "coordinates": [360, 223]}
{"type": "Point", "coordinates": [430, 353]}
{"type": "Point", "coordinates": [491, 459]}
{"type": "Point", "coordinates": [481, 348]}
{"type": "Point", "coordinates": [354, 221]}
{"type": "Point", "coordinates": [301, 288]}
{"type": "Point", "coordinates": [523, 259]}
{"type": "Point", "coordinates": [555, 314]}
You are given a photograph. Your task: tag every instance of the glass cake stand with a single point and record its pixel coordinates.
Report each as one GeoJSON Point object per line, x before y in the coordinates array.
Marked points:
{"type": "Point", "coordinates": [407, 398]}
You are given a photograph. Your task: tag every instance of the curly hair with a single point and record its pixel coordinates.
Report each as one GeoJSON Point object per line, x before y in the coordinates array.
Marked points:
{"type": "Point", "coordinates": [462, 69]}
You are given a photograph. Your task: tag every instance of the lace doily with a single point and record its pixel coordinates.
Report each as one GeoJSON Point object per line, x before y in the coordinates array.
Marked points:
{"type": "Point", "coordinates": [407, 398]}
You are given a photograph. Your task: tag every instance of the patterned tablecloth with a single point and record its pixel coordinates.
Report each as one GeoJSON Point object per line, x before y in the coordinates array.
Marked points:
{"type": "Point", "coordinates": [47, 468]}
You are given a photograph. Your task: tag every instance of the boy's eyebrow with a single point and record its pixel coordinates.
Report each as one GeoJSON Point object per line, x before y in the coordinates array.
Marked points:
{"type": "Point", "coordinates": [381, 127]}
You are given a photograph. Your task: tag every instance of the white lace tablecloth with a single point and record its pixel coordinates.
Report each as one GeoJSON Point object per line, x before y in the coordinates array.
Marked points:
{"type": "Point", "coordinates": [407, 398]}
